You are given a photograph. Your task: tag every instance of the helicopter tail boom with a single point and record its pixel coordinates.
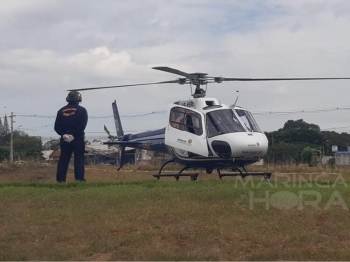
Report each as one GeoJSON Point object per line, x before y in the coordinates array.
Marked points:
{"type": "Point", "coordinates": [123, 143]}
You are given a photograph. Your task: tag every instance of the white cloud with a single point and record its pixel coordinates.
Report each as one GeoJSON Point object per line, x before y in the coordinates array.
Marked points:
{"type": "Point", "coordinates": [101, 62]}
{"type": "Point", "coordinates": [51, 46]}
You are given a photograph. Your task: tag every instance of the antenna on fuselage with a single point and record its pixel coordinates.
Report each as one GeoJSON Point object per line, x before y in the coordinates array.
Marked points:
{"type": "Point", "coordinates": [233, 106]}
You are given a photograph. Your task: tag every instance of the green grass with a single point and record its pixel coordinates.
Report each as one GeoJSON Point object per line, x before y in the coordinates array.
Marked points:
{"type": "Point", "coordinates": [166, 220]}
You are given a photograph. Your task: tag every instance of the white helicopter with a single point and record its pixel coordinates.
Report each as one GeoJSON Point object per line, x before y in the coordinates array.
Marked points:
{"type": "Point", "coordinates": [201, 132]}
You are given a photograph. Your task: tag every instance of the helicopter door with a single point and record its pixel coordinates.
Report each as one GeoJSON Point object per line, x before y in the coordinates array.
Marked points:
{"type": "Point", "coordinates": [186, 131]}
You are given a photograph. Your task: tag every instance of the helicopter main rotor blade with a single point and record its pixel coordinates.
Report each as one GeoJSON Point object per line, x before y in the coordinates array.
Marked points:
{"type": "Point", "coordinates": [282, 79]}
{"type": "Point", "coordinates": [105, 87]}
{"type": "Point", "coordinates": [174, 71]}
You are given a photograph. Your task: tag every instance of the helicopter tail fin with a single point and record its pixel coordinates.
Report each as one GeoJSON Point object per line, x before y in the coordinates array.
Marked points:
{"type": "Point", "coordinates": [118, 123]}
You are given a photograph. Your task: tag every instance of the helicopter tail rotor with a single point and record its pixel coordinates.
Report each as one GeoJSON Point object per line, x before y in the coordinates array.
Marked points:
{"type": "Point", "coordinates": [110, 137]}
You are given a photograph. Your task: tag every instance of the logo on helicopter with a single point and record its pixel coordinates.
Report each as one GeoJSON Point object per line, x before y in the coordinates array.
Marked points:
{"type": "Point", "coordinates": [182, 141]}
{"type": "Point", "coordinates": [187, 103]}
{"type": "Point", "coordinates": [257, 144]}
{"type": "Point", "coordinates": [251, 152]}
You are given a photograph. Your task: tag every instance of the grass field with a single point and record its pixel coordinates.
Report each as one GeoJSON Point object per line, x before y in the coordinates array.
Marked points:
{"type": "Point", "coordinates": [131, 216]}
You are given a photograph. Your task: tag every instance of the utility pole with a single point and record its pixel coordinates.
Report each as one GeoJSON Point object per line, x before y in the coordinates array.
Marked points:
{"type": "Point", "coordinates": [11, 141]}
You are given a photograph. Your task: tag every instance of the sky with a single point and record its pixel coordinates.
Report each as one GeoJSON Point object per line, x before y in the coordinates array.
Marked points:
{"type": "Point", "coordinates": [49, 46]}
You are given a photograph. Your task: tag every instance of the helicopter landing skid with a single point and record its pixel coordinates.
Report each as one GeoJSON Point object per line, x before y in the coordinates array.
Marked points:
{"type": "Point", "coordinates": [266, 175]}
{"type": "Point", "coordinates": [193, 176]}
{"type": "Point", "coordinates": [177, 176]}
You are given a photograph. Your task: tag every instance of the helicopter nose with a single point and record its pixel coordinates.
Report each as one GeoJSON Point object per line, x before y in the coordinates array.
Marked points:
{"type": "Point", "coordinates": [240, 145]}
{"type": "Point", "coordinates": [249, 145]}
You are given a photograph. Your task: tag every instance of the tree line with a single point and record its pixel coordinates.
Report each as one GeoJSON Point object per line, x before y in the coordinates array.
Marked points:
{"type": "Point", "coordinates": [4, 127]}
{"type": "Point", "coordinates": [25, 147]}
{"type": "Point", "coordinates": [297, 142]}
{"type": "Point", "coordinates": [302, 142]}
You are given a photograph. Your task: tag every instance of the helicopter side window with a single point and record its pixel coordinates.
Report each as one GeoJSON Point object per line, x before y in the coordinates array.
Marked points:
{"type": "Point", "coordinates": [176, 119]}
{"type": "Point", "coordinates": [189, 124]}
{"type": "Point", "coordinates": [248, 120]}
{"type": "Point", "coordinates": [186, 120]}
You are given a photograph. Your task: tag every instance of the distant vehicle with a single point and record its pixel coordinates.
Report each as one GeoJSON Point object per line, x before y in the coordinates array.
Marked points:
{"type": "Point", "coordinates": [20, 162]}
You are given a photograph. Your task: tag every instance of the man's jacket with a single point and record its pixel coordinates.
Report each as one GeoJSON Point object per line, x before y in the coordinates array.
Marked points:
{"type": "Point", "coordinates": [71, 119]}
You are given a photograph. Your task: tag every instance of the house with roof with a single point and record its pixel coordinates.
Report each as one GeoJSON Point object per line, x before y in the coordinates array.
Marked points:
{"type": "Point", "coordinates": [342, 158]}
{"type": "Point", "coordinates": [98, 153]}
{"type": "Point", "coordinates": [46, 154]}
{"type": "Point", "coordinates": [55, 155]}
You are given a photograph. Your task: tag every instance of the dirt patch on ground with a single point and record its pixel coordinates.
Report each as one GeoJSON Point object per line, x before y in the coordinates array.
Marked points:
{"type": "Point", "coordinates": [42, 172]}
{"type": "Point", "coordinates": [46, 172]}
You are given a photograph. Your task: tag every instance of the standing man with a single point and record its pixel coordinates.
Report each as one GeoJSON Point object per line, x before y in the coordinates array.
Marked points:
{"type": "Point", "coordinates": [70, 124]}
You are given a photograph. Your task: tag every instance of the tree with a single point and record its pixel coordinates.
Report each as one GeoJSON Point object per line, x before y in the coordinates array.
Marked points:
{"type": "Point", "coordinates": [310, 155]}
{"type": "Point", "coordinates": [4, 153]}
{"type": "Point", "coordinates": [24, 146]}
{"type": "Point", "coordinates": [297, 142]}
{"type": "Point", "coordinates": [333, 138]}
{"type": "Point", "coordinates": [291, 133]}
{"type": "Point", "coordinates": [300, 124]}
{"type": "Point", "coordinates": [27, 147]}
{"type": "Point", "coordinates": [301, 142]}
{"type": "Point", "coordinates": [284, 153]}
{"type": "Point", "coordinates": [6, 126]}
{"type": "Point", "coordinates": [1, 128]}
{"type": "Point", "coordinates": [53, 144]}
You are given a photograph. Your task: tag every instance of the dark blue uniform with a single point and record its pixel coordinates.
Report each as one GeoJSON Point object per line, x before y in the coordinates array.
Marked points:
{"type": "Point", "coordinates": [72, 120]}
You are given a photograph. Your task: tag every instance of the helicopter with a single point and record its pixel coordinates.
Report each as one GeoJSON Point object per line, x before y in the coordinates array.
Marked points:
{"type": "Point", "coordinates": [201, 133]}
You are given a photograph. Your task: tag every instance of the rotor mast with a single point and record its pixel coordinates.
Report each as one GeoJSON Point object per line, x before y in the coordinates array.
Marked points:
{"type": "Point", "coordinates": [198, 80]}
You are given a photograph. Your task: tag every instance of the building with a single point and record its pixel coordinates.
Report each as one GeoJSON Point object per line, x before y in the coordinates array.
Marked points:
{"type": "Point", "coordinates": [342, 158]}
{"type": "Point", "coordinates": [46, 154]}
{"type": "Point", "coordinates": [55, 155]}
{"type": "Point", "coordinates": [98, 153]}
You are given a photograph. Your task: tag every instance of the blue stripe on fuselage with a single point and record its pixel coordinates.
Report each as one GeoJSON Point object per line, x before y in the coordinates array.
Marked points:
{"type": "Point", "coordinates": [148, 135]}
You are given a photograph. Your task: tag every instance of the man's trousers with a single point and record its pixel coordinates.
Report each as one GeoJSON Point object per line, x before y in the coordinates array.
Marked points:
{"type": "Point", "coordinates": [77, 147]}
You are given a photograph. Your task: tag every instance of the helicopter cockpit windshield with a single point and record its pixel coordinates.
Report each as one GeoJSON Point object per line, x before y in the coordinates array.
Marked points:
{"type": "Point", "coordinates": [248, 120]}
{"type": "Point", "coordinates": [222, 122]}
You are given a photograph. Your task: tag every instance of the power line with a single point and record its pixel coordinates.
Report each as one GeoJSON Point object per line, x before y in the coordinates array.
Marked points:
{"type": "Point", "coordinates": [108, 116]}
{"type": "Point", "coordinates": [29, 129]}
{"type": "Point", "coordinates": [333, 128]}
{"type": "Point", "coordinates": [290, 112]}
